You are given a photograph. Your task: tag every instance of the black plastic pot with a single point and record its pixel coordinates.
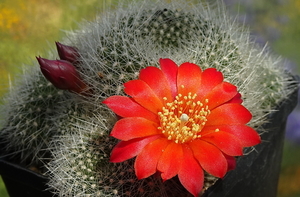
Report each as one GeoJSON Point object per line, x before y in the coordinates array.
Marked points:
{"type": "Point", "coordinates": [256, 174]}
{"type": "Point", "coordinates": [21, 182]}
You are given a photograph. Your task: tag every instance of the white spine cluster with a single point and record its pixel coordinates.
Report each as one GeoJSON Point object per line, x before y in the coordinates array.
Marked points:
{"type": "Point", "coordinates": [112, 50]}
{"type": "Point", "coordinates": [81, 167]}
{"type": "Point", "coordinates": [118, 44]}
{"type": "Point", "coordinates": [29, 117]}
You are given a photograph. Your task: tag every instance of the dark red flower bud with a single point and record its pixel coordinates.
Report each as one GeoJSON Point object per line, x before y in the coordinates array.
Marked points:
{"type": "Point", "coordinates": [62, 74]}
{"type": "Point", "coordinates": [67, 53]}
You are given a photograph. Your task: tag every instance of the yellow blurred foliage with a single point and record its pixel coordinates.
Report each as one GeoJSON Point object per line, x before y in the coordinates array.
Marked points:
{"type": "Point", "coordinates": [297, 4]}
{"type": "Point", "coordinates": [8, 18]}
{"type": "Point", "coordinates": [292, 9]}
{"type": "Point", "coordinates": [19, 18]}
{"type": "Point", "coordinates": [289, 182]}
{"type": "Point", "coordinates": [29, 28]}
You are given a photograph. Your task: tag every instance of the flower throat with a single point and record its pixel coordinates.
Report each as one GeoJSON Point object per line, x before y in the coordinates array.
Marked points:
{"type": "Point", "coordinates": [183, 119]}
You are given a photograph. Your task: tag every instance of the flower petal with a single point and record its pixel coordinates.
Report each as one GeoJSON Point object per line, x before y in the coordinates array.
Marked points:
{"type": "Point", "coordinates": [210, 78]}
{"type": "Point", "coordinates": [157, 81]}
{"type": "Point", "coordinates": [226, 142]}
{"type": "Point", "coordinates": [210, 157]}
{"type": "Point", "coordinates": [125, 150]}
{"type": "Point", "coordinates": [220, 94]}
{"type": "Point", "coordinates": [170, 161]}
{"type": "Point", "coordinates": [231, 162]}
{"type": "Point", "coordinates": [170, 69]}
{"type": "Point", "coordinates": [247, 135]}
{"type": "Point", "coordinates": [188, 78]}
{"type": "Point", "coordinates": [190, 174]}
{"type": "Point", "coordinates": [133, 127]}
{"type": "Point", "coordinates": [143, 94]}
{"type": "Point", "coordinates": [236, 99]}
{"type": "Point", "coordinates": [127, 107]}
{"type": "Point", "coordinates": [227, 114]}
{"type": "Point", "coordinates": [146, 162]}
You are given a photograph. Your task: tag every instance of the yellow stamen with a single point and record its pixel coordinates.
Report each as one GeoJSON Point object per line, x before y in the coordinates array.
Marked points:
{"type": "Point", "coordinates": [183, 119]}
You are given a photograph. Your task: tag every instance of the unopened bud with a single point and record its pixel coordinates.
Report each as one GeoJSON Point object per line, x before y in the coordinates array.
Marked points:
{"type": "Point", "coordinates": [67, 53]}
{"type": "Point", "coordinates": [62, 74]}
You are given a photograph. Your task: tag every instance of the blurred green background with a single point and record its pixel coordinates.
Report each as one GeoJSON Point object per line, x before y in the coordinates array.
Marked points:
{"type": "Point", "coordinates": [29, 28]}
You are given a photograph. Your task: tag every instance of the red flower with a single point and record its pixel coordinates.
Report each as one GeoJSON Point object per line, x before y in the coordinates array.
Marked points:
{"type": "Point", "coordinates": [181, 121]}
{"type": "Point", "coordinates": [62, 74]}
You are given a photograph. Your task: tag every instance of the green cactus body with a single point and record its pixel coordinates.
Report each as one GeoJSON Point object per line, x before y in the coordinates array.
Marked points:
{"type": "Point", "coordinates": [81, 164]}
{"type": "Point", "coordinates": [112, 50]}
{"type": "Point", "coordinates": [29, 118]}
{"type": "Point", "coordinates": [35, 112]}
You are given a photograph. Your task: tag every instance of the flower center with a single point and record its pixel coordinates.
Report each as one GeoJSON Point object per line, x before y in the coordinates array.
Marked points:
{"type": "Point", "coordinates": [183, 119]}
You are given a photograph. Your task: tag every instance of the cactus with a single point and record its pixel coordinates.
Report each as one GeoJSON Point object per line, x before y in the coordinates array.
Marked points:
{"type": "Point", "coordinates": [69, 128]}
{"type": "Point", "coordinates": [81, 164]}
{"type": "Point", "coordinates": [27, 117]}
{"type": "Point", "coordinates": [80, 161]}
{"type": "Point", "coordinates": [115, 47]}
